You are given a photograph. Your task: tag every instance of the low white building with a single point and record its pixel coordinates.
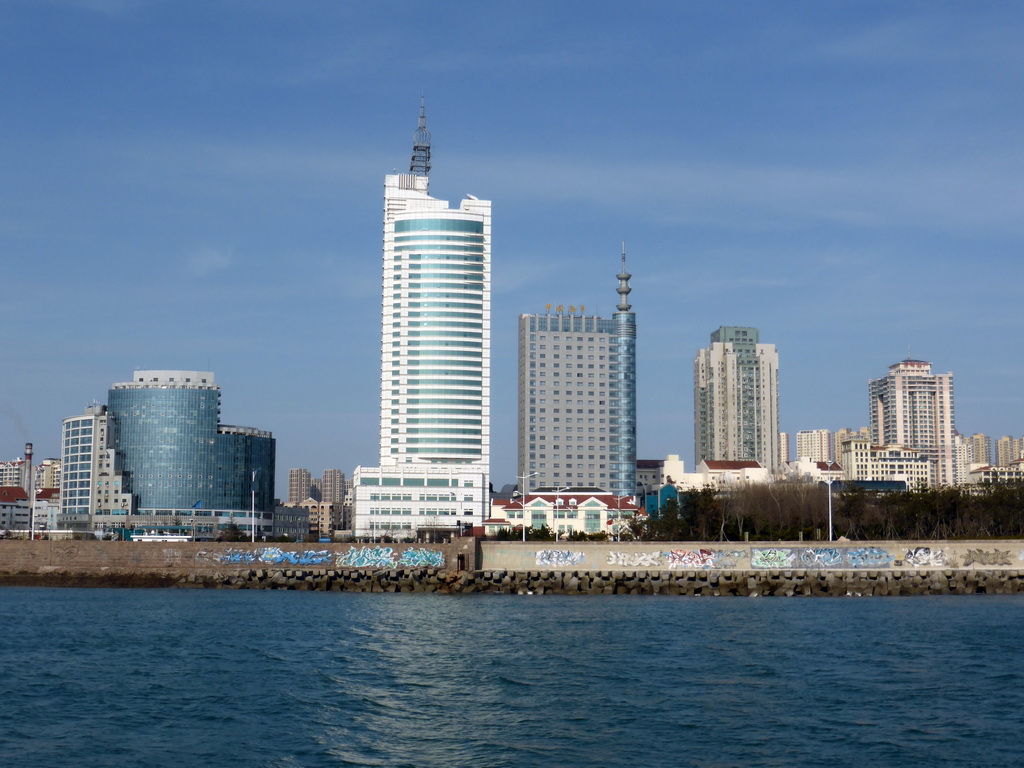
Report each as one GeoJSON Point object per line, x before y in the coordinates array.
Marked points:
{"type": "Point", "coordinates": [406, 501]}
{"type": "Point", "coordinates": [985, 473]}
{"type": "Point", "coordinates": [654, 473]}
{"type": "Point", "coordinates": [566, 510]}
{"type": "Point", "coordinates": [809, 470]}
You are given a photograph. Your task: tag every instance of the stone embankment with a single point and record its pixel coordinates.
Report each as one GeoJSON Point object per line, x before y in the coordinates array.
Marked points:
{"type": "Point", "coordinates": [466, 565]}
{"type": "Point", "coordinates": [685, 583]}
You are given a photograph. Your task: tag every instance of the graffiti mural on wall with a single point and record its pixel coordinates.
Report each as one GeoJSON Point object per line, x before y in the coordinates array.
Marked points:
{"type": "Point", "coordinates": [385, 557]}
{"type": "Point", "coordinates": [818, 558]}
{"type": "Point", "coordinates": [635, 559]}
{"type": "Point", "coordinates": [772, 558]}
{"type": "Point", "coordinates": [227, 557]}
{"type": "Point", "coordinates": [981, 557]}
{"type": "Point", "coordinates": [363, 557]}
{"type": "Point", "coordinates": [367, 557]}
{"type": "Point", "coordinates": [172, 557]}
{"type": "Point", "coordinates": [422, 558]}
{"type": "Point", "coordinates": [706, 559]}
{"type": "Point", "coordinates": [276, 556]}
{"type": "Point", "coordinates": [868, 557]}
{"type": "Point", "coordinates": [926, 556]}
{"type": "Point", "coordinates": [558, 557]}
{"type": "Point", "coordinates": [821, 557]}
{"type": "Point", "coordinates": [66, 554]}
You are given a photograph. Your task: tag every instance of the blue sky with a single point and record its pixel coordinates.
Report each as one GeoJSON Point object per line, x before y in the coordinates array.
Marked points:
{"type": "Point", "coordinates": [199, 185]}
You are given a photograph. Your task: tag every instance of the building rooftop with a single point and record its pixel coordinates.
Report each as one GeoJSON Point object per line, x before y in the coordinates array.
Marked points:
{"type": "Point", "coordinates": [12, 494]}
{"type": "Point", "coordinates": [719, 464]}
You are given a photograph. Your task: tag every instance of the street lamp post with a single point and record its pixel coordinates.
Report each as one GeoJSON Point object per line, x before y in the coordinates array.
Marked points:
{"type": "Point", "coordinates": [554, 511]}
{"type": "Point", "coordinates": [252, 488]}
{"type": "Point", "coordinates": [618, 515]}
{"type": "Point", "coordinates": [831, 534]}
{"type": "Point", "coordinates": [522, 497]}
{"type": "Point", "coordinates": [30, 476]}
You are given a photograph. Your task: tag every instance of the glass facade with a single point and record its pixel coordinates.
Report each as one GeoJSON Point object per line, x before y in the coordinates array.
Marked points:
{"type": "Point", "coordinates": [736, 399]}
{"type": "Point", "coordinates": [435, 360]}
{"type": "Point", "coordinates": [78, 440]}
{"type": "Point", "coordinates": [622, 457]}
{"type": "Point", "coordinates": [577, 401]}
{"type": "Point", "coordinates": [436, 329]}
{"type": "Point", "coordinates": [178, 455]}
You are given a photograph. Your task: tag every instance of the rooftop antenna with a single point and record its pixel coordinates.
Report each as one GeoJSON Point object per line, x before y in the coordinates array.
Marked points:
{"type": "Point", "coordinates": [624, 289]}
{"type": "Point", "coordinates": [420, 165]}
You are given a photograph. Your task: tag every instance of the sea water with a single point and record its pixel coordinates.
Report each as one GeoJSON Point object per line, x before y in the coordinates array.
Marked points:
{"type": "Point", "coordinates": [101, 677]}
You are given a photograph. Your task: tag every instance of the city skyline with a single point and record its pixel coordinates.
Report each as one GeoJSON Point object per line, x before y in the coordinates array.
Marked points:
{"type": "Point", "coordinates": [838, 176]}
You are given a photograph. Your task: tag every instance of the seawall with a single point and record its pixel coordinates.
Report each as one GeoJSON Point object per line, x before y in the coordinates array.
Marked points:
{"type": "Point", "coordinates": [469, 566]}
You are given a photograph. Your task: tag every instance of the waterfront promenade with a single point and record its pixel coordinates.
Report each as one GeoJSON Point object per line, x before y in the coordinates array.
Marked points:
{"type": "Point", "coordinates": [466, 565]}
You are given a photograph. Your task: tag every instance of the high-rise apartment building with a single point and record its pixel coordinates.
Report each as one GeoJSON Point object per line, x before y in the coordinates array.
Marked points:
{"type": "Point", "coordinates": [814, 444]}
{"type": "Point", "coordinates": [332, 486]}
{"type": "Point", "coordinates": [577, 398]}
{"type": "Point", "coordinates": [157, 453]}
{"type": "Point", "coordinates": [980, 449]}
{"type": "Point", "coordinates": [840, 436]}
{"type": "Point", "coordinates": [736, 399]}
{"type": "Point", "coordinates": [1008, 450]}
{"type": "Point", "coordinates": [299, 484]}
{"type": "Point", "coordinates": [48, 474]}
{"type": "Point", "coordinates": [435, 361]}
{"type": "Point", "coordinates": [784, 448]}
{"type": "Point", "coordinates": [14, 474]}
{"type": "Point", "coordinates": [302, 486]}
{"type": "Point", "coordinates": [913, 408]}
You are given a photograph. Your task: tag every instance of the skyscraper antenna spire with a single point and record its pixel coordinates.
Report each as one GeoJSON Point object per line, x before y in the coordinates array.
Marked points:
{"type": "Point", "coordinates": [420, 165]}
{"type": "Point", "coordinates": [624, 289]}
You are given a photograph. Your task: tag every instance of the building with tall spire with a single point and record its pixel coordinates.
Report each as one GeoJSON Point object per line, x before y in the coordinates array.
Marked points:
{"type": "Point", "coordinates": [577, 397]}
{"type": "Point", "coordinates": [736, 399]}
{"type": "Point", "coordinates": [435, 378]}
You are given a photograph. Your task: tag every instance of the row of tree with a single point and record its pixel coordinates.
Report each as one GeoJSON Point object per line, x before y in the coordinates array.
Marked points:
{"type": "Point", "coordinates": [790, 511]}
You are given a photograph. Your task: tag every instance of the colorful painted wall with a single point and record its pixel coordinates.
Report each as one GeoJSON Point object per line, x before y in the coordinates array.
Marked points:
{"type": "Point", "coordinates": [468, 555]}
{"type": "Point", "coordinates": [126, 556]}
{"type": "Point", "coordinates": [669, 556]}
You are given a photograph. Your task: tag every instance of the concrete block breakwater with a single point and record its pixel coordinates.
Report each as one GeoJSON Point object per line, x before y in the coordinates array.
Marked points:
{"type": "Point", "coordinates": [690, 583]}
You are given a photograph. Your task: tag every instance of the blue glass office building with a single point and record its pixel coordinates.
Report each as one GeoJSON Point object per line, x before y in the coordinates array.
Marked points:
{"type": "Point", "coordinates": [166, 426]}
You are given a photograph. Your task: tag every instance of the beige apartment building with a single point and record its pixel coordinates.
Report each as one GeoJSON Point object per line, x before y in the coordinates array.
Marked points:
{"type": "Point", "coordinates": [863, 461]}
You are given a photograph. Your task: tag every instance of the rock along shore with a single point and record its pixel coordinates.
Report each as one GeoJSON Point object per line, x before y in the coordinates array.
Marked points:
{"type": "Point", "coordinates": [741, 583]}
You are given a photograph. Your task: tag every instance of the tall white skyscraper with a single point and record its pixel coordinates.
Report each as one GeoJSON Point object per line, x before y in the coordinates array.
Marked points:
{"type": "Point", "coordinates": [913, 408]}
{"type": "Point", "coordinates": [736, 399]}
{"type": "Point", "coordinates": [435, 361]}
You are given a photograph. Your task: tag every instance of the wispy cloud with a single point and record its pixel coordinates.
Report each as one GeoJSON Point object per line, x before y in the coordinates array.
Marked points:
{"type": "Point", "coordinates": [206, 261]}
{"type": "Point", "coordinates": [944, 196]}
{"type": "Point", "coordinates": [108, 8]}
